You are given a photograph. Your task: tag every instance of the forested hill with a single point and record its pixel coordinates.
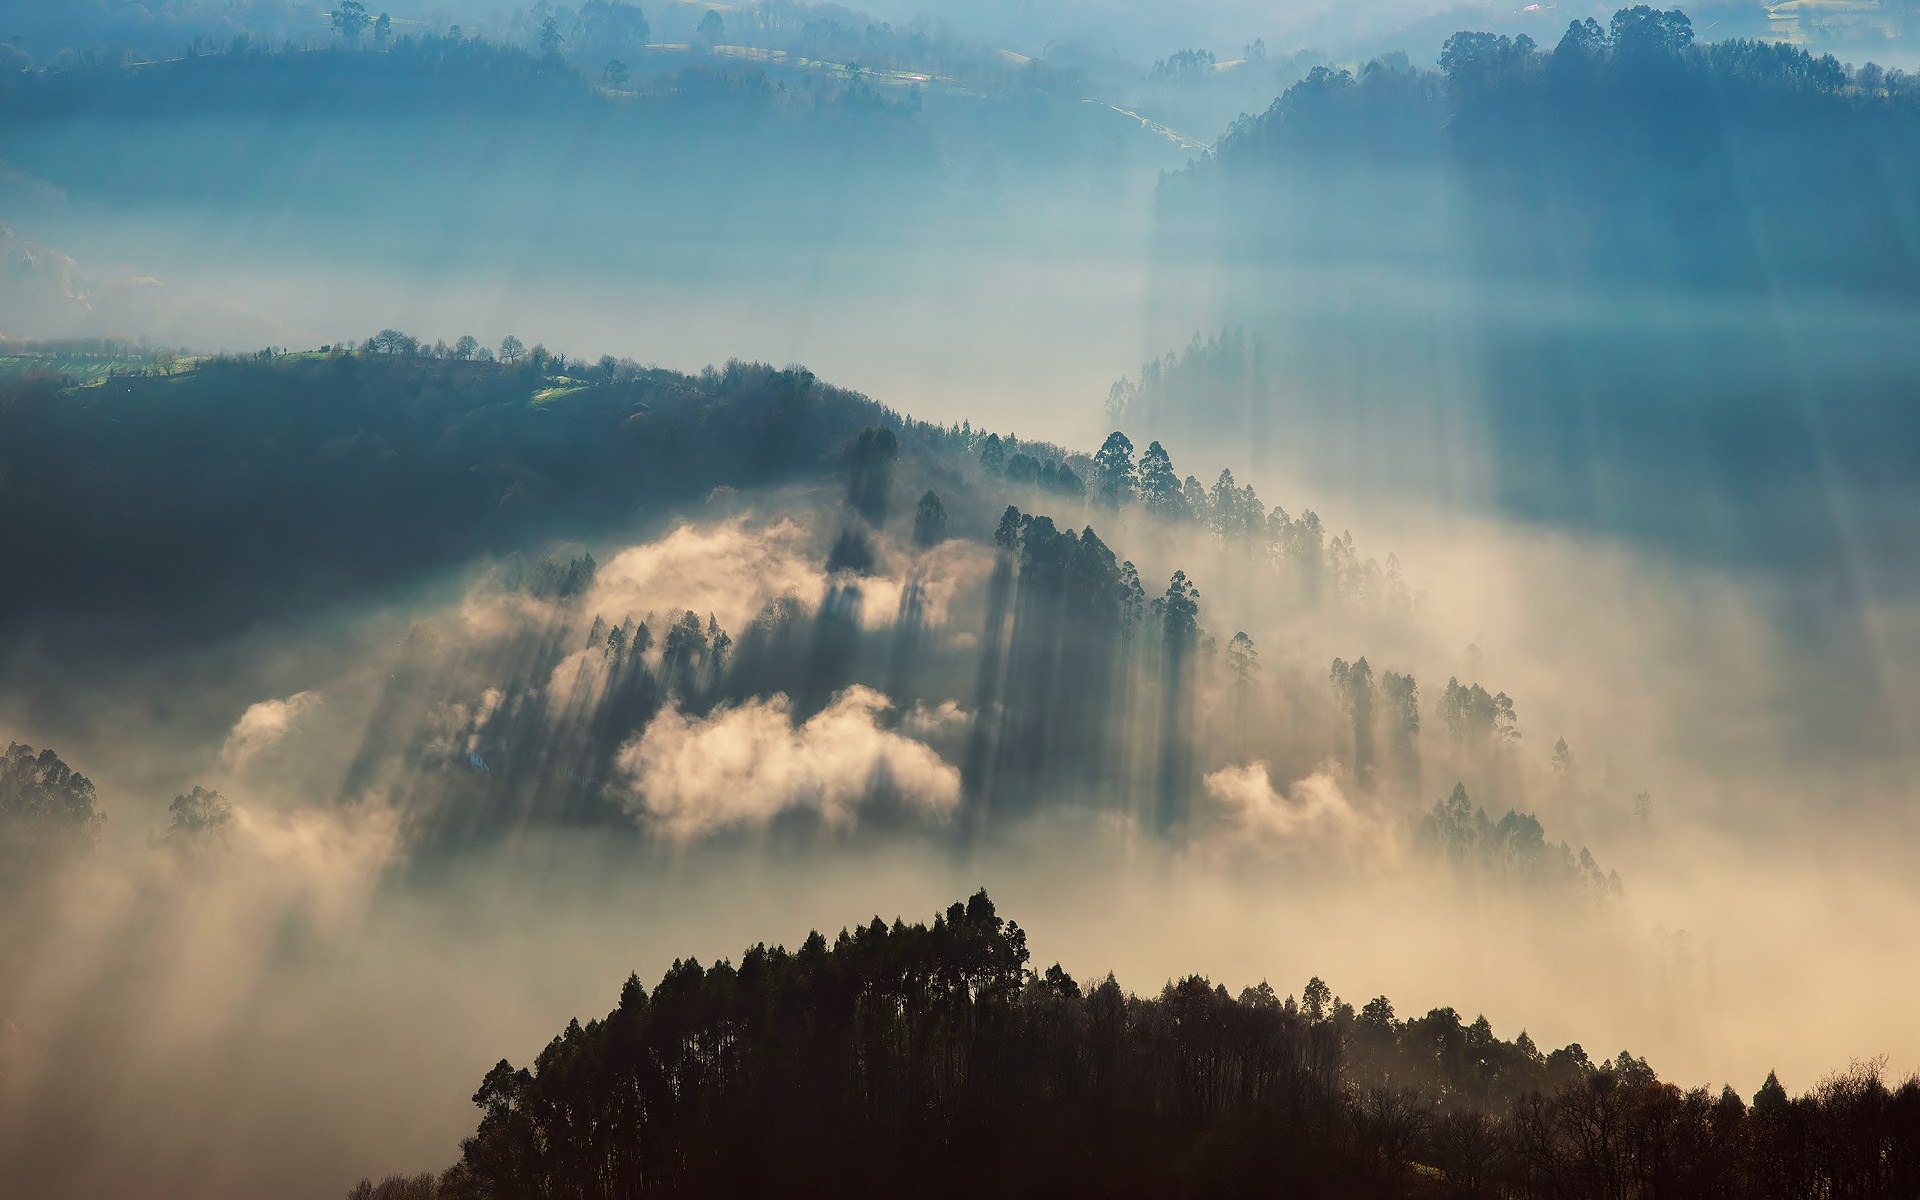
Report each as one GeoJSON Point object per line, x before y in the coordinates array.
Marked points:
{"type": "Point", "coordinates": [1630, 154]}
{"type": "Point", "coordinates": [185, 499]}
{"type": "Point", "coordinates": [934, 1061]}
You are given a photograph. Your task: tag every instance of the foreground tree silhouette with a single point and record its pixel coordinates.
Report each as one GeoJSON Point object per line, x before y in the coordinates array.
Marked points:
{"type": "Point", "coordinates": [931, 1060]}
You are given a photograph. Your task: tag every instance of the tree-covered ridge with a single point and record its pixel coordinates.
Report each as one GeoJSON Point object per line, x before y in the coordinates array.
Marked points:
{"type": "Point", "coordinates": [934, 1060]}
{"type": "Point", "coordinates": [529, 444]}
{"type": "Point", "coordinates": [259, 482]}
{"type": "Point", "coordinates": [1631, 153]}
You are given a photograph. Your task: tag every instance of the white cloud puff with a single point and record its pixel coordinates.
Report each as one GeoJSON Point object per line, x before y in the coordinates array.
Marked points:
{"type": "Point", "coordinates": [734, 568]}
{"type": "Point", "coordinates": [263, 725]}
{"type": "Point", "coordinates": [1314, 813]}
{"type": "Point", "coordinates": [728, 569]}
{"type": "Point", "coordinates": [744, 766]}
{"type": "Point", "coordinates": [944, 720]}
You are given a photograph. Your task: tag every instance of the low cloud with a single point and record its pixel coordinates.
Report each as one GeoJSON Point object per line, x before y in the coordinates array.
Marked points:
{"type": "Point", "coordinates": [728, 569]}
{"type": "Point", "coordinates": [455, 727]}
{"type": "Point", "coordinates": [263, 725]}
{"type": "Point", "coordinates": [1313, 814]}
{"type": "Point", "coordinates": [734, 568]}
{"type": "Point", "coordinates": [44, 287]}
{"type": "Point", "coordinates": [324, 862]}
{"type": "Point", "coordinates": [742, 767]}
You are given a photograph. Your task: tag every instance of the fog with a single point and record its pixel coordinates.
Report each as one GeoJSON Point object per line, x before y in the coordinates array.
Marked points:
{"type": "Point", "coordinates": [1572, 464]}
{"type": "Point", "coordinates": [203, 1025]}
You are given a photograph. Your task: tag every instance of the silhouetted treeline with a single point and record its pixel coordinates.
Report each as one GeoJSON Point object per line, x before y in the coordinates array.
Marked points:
{"type": "Point", "coordinates": [1626, 154]}
{"type": "Point", "coordinates": [248, 486]}
{"type": "Point", "coordinates": [933, 1060]}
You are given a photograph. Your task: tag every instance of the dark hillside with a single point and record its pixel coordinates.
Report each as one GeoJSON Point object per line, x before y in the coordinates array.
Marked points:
{"type": "Point", "coordinates": [247, 486]}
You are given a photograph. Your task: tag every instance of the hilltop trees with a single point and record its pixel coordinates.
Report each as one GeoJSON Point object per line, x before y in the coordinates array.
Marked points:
{"type": "Point", "coordinates": [933, 1059]}
{"type": "Point", "coordinates": [1229, 512]}
{"type": "Point", "coordinates": [1475, 63]}
{"type": "Point", "coordinates": [1642, 35]}
{"type": "Point", "coordinates": [354, 469]}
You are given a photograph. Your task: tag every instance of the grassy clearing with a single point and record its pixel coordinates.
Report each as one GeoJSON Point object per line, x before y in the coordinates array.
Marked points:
{"type": "Point", "coordinates": [90, 368]}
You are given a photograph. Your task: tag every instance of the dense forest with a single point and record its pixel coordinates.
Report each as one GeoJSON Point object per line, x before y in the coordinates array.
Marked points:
{"type": "Point", "coordinates": [934, 1059]}
{"type": "Point", "coordinates": [194, 498]}
{"type": "Point", "coordinates": [939, 601]}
